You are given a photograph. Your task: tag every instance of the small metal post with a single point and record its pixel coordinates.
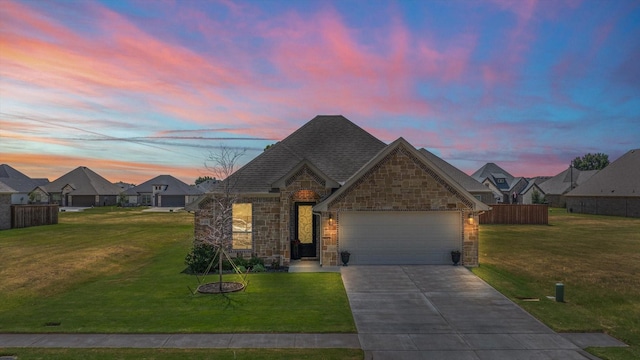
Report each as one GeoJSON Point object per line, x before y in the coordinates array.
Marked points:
{"type": "Point", "coordinates": [559, 292]}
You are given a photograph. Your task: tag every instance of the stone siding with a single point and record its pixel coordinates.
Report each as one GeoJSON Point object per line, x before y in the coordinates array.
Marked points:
{"type": "Point", "coordinates": [273, 220]}
{"type": "Point", "coordinates": [399, 182]}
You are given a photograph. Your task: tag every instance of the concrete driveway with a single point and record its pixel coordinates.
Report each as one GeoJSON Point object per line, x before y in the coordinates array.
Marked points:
{"type": "Point", "coordinates": [444, 312]}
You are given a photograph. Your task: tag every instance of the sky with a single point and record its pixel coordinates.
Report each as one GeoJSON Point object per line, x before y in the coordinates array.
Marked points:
{"type": "Point", "coordinates": [136, 89]}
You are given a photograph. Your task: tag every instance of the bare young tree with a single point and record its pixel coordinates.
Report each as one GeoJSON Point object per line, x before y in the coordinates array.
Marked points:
{"type": "Point", "coordinates": [223, 164]}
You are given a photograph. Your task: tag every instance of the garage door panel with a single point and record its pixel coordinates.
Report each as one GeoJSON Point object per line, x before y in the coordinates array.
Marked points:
{"type": "Point", "coordinates": [400, 237]}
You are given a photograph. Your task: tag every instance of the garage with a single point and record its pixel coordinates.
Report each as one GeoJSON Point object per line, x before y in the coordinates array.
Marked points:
{"type": "Point", "coordinates": [400, 237]}
{"type": "Point", "coordinates": [172, 201]}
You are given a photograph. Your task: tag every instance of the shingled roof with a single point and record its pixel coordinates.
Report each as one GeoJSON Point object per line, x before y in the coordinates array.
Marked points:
{"type": "Point", "coordinates": [493, 171]}
{"type": "Point", "coordinates": [173, 187]}
{"type": "Point", "coordinates": [331, 143]}
{"type": "Point", "coordinates": [620, 178]}
{"type": "Point", "coordinates": [84, 182]}
{"type": "Point", "coordinates": [467, 182]}
{"type": "Point", "coordinates": [561, 183]}
{"type": "Point", "coordinates": [17, 180]}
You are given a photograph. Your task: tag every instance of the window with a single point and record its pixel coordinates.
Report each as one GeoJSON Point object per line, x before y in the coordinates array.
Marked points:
{"type": "Point", "coordinates": [242, 229]}
{"type": "Point", "coordinates": [500, 181]}
{"type": "Point", "coordinates": [146, 199]}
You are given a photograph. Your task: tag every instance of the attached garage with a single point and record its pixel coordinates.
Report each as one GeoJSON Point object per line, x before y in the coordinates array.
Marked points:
{"type": "Point", "coordinates": [400, 237]}
{"type": "Point", "coordinates": [171, 201]}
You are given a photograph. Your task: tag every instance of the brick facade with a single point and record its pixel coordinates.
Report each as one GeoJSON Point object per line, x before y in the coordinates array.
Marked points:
{"type": "Point", "coordinates": [399, 182]}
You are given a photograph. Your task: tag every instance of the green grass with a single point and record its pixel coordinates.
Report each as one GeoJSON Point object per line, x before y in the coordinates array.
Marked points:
{"type": "Point", "coordinates": [596, 257]}
{"type": "Point", "coordinates": [192, 354]}
{"type": "Point", "coordinates": [120, 271]}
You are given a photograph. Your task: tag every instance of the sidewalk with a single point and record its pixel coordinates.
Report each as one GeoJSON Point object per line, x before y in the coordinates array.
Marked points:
{"type": "Point", "coordinates": [181, 341]}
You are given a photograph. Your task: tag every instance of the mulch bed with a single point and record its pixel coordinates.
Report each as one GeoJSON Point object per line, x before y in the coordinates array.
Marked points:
{"type": "Point", "coordinates": [215, 288]}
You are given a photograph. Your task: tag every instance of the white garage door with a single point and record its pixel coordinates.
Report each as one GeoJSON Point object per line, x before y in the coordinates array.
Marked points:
{"type": "Point", "coordinates": [400, 237]}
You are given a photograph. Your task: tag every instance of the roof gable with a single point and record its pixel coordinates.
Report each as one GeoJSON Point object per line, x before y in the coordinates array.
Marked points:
{"type": "Point", "coordinates": [305, 166]}
{"type": "Point", "coordinates": [332, 144]}
{"type": "Point", "coordinates": [170, 184]}
{"type": "Point", "coordinates": [620, 178]}
{"type": "Point", "coordinates": [84, 182]}
{"type": "Point", "coordinates": [562, 182]}
{"type": "Point", "coordinates": [493, 171]}
{"type": "Point", "coordinates": [402, 145]}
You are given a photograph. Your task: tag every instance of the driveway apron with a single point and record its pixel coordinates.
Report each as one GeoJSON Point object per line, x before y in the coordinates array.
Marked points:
{"type": "Point", "coordinates": [444, 312]}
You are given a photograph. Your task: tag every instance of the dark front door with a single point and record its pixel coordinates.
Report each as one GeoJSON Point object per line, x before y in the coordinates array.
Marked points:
{"type": "Point", "coordinates": [305, 230]}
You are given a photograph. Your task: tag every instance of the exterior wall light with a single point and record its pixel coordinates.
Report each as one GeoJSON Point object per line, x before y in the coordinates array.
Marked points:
{"type": "Point", "coordinates": [330, 219]}
{"type": "Point", "coordinates": [470, 218]}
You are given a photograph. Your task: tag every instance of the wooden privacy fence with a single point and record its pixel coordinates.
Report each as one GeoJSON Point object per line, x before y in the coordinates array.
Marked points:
{"type": "Point", "coordinates": [33, 215]}
{"type": "Point", "coordinates": [516, 214]}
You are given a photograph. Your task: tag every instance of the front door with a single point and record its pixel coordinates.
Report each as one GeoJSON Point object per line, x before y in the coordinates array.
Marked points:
{"type": "Point", "coordinates": [305, 230]}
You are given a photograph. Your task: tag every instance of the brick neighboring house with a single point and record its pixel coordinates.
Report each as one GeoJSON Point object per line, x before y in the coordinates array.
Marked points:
{"type": "Point", "coordinates": [162, 191]}
{"type": "Point", "coordinates": [614, 190]}
{"type": "Point", "coordinates": [556, 187]}
{"type": "Point", "coordinates": [81, 187]}
{"type": "Point", "coordinates": [331, 186]}
{"type": "Point", "coordinates": [22, 184]}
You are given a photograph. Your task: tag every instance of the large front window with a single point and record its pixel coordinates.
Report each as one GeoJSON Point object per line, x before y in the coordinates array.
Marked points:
{"type": "Point", "coordinates": [242, 229]}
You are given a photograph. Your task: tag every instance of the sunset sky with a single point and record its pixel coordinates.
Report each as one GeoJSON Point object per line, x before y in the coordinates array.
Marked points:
{"type": "Point", "coordinates": [135, 89]}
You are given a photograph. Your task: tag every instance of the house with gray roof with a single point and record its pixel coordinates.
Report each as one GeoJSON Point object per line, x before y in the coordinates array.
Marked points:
{"type": "Point", "coordinates": [162, 191]}
{"type": "Point", "coordinates": [331, 187]}
{"type": "Point", "coordinates": [81, 187]}
{"type": "Point", "coordinates": [556, 187]}
{"type": "Point", "coordinates": [505, 187]}
{"type": "Point", "coordinates": [22, 184]}
{"type": "Point", "coordinates": [614, 190]}
{"type": "Point", "coordinates": [528, 194]}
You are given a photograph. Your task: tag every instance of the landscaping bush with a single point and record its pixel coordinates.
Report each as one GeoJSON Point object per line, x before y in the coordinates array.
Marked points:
{"type": "Point", "coordinates": [199, 258]}
{"type": "Point", "coordinates": [201, 254]}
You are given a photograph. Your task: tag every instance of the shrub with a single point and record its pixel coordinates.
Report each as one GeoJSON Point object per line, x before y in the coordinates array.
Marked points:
{"type": "Point", "coordinates": [199, 258]}
{"type": "Point", "coordinates": [258, 268]}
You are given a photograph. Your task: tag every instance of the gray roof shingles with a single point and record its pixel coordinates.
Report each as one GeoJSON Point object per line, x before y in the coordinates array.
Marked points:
{"type": "Point", "coordinates": [335, 145]}
{"type": "Point", "coordinates": [620, 178]}
{"type": "Point", "coordinates": [85, 182]}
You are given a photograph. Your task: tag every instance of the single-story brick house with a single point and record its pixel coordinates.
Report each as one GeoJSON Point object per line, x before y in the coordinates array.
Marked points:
{"type": "Point", "coordinates": [331, 186]}
{"type": "Point", "coordinates": [162, 191]}
{"type": "Point", "coordinates": [614, 190]}
{"type": "Point", "coordinates": [80, 187]}
{"type": "Point", "coordinates": [558, 186]}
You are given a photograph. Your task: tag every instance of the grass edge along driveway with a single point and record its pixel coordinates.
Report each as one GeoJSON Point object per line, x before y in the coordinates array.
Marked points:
{"type": "Point", "coordinates": [596, 257]}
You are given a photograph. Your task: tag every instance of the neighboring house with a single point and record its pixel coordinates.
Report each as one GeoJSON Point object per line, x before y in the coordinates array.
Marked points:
{"type": "Point", "coordinates": [517, 185]}
{"type": "Point", "coordinates": [475, 188]}
{"type": "Point", "coordinates": [614, 190]}
{"type": "Point", "coordinates": [5, 206]}
{"type": "Point", "coordinates": [22, 184]}
{"type": "Point", "coordinates": [331, 187]}
{"type": "Point", "coordinates": [162, 191]}
{"type": "Point", "coordinates": [527, 194]}
{"type": "Point", "coordinates": [556, 187]}
{"type": "Point", "coordinates": [500, 182]}
{"type": "Point", "coordinates": [82, 187]}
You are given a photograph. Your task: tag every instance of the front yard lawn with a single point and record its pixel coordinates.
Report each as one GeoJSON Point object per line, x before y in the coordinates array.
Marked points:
{"type": "Point", "coordinates": [119, 271]}
{"type": "Point", "coordinates": [596, 257]}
